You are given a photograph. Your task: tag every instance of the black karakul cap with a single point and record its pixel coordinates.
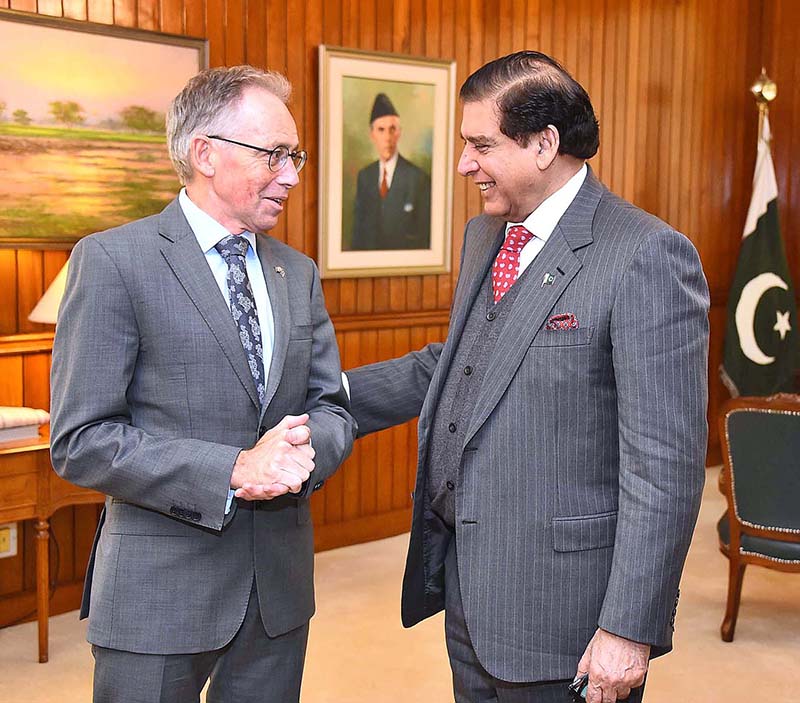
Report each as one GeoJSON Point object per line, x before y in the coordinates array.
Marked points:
{"type": "Point", "coordinates": [382, 107]}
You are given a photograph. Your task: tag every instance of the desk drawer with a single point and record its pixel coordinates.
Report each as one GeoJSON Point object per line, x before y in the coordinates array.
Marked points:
{"type": "Point", "coordinates": [17, 497]}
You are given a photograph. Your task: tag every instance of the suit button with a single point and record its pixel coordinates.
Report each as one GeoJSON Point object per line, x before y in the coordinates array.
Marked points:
{"type": "Point", "coordinates": [467, 370]}
{"type": "Point", "coordinates": [491, 315]}
{"type": "Point", "coordinates": [318, 485]}
{"type": "Point", "coordinates": [450, 485]}
{"type": "Point", "coordinates": [452, 427]}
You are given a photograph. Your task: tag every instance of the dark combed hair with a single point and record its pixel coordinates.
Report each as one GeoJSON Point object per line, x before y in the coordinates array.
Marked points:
{"type": "Point", "coordinates": [532, 91]}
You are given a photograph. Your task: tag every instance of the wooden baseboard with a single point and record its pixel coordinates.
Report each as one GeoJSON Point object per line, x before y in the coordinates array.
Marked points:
{"type": "Point", "coordinates": [21, 607]}
{"type": "Point", "coordinates": [363, 529]}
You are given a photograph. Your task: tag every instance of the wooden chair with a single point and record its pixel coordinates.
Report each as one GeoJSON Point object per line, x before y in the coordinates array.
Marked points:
{"type": "Point", "coordinates": [760, 440]}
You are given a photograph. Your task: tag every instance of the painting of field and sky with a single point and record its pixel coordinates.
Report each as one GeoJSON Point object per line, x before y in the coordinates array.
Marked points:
{"type": "Point", "coordinates": [82, 136]}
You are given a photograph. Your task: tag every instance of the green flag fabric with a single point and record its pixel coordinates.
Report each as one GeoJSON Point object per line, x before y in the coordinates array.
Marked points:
{"type": "Point", "coordinates": [761, 333]}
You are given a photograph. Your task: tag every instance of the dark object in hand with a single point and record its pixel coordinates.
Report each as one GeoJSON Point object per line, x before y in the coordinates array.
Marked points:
{"type": "Point", "coordinates": [577, 688]}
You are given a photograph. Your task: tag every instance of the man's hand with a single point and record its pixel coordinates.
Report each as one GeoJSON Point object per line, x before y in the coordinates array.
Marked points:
{"type": "Point", "coordinates": [615, 665]}
{"type": "Point", "coordinates": [279, 463]}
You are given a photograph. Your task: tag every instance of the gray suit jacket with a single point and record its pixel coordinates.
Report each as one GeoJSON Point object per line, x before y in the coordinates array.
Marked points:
{"type": "Point", "coordinates": [152, 401]}
{"type": "Point", "coordinates": [582, 468]}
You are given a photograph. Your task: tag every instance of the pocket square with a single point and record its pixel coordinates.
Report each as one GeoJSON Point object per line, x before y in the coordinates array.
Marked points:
{"type": "Point", "coordinates": [562, 321]}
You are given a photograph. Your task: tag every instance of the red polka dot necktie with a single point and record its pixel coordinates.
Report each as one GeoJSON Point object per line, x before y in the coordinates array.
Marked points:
{"type": "Point", "coordinates": [505, 269]}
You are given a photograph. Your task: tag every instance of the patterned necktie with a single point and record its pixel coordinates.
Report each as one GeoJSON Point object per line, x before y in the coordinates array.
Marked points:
{"type": "Point", "coordinates": [384, 185]}
{"type": "Point", "coordinates": [243, 306]}
{"type": "Point", "coordinates": [505, 269]}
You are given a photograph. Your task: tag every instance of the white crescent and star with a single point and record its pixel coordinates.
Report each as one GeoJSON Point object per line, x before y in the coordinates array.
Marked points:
{"type": "Point", "coordinates": [746, 312]}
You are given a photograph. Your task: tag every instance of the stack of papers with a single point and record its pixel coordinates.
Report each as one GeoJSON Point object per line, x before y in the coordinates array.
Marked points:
{"type": "Point", "coordinates": [21, 423]}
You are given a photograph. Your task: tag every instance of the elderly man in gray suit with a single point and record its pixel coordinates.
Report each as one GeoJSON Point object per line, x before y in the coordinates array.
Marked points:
{"type": "Point", "coordinates": [562, 428]}
{"type": "Point", "coordinates": [194, 366]}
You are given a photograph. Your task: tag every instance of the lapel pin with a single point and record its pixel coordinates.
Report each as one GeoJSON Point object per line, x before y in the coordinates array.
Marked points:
{"type": "Point", "coordinates": [548, 280]}
{"type": "Point", "coordinates": [279, 270]}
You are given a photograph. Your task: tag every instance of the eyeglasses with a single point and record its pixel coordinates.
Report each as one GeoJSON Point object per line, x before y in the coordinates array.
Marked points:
{"type": "Point", "coordinates": [277, 156]}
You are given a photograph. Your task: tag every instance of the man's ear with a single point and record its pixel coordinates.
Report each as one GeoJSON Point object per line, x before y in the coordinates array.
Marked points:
{"type": "Point", "coordinates": [202, 156]}
{"type": "Point", "coordinates": [546, 144]}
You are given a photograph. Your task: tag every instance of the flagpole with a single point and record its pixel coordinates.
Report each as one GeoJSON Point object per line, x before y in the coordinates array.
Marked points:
{"type": "Point", "coordinates": [764, 90]}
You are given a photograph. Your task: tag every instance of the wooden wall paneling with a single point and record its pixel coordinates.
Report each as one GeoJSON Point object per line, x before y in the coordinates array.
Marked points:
{"type": "Point", "coordinates": [50, 7]}
{"type": "Point", "coordinates": [255, 35]}
{"type": "Point", "coordinates": [172, 14]}
{"type": "Point", "coordinates": [4, 4]}
{"type": "Point", "coordinates": [235, 32]}
{"type": "Point", "coordinates": [380, 295]}
{"type": "Point", "coordinates": [351, 498]}
{"type": "Point", "coordinates": [401, 26]}
{"type": "Point", "coordinates": [386, 350]}
{"type": "Point", "coordinates": [295, 69]}
{"type": "Point", "coordinates": [195, 12]}
{"type": "Point", "coordinates": [370, 461]}
{"type": "Point", "coordinates": [215, 31]}
{"type": "Point", "coordinates": [121, 13]}
{"type": "Point", "coordinates": [36, 381]}
{"type": "Point", "coordinates": [9, 283]}
{"type": "Point", "coordinates": [30, 288]}
{"type": "Point", "coordinates": [11, 391]}
{"type": "Point", "coordinates": [148, 15]}
{"type": "Point", "coordinates": [310, 137]}
{"type": "Point", "coordinates": [23, 5]}
{"type": "Point", "coordinates": [367, 24]}
{"type": "Point", "coordinates": [102, 11]}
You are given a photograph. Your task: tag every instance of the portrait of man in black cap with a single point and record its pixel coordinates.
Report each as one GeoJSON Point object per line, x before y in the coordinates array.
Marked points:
{"type": "Point", "coordinates": [393, 196]}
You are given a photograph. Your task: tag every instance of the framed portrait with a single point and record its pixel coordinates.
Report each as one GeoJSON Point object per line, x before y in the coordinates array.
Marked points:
{"type": "Point", "coordinates": [82, 133]}
{"type": "Point", "coordinates": [386, 148]}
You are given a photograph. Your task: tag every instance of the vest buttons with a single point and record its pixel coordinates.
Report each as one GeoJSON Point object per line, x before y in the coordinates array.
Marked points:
{"type": "Point", "coordinates": [467, 370]}
{"type": "Point", "coordinates": [450, 485]}
{"type": "Point", "coordinates": [452, 427]}
{"type": "Point", "coordinates": [491, 315]}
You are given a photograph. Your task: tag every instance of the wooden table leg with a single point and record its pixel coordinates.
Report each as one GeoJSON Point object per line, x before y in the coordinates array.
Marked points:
{"type": "Point", "coordinates": [43, 585]}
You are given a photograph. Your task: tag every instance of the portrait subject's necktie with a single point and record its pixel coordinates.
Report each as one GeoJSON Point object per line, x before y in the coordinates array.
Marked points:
{"type": "Point", "coordinates": [243, 307]}
{"type": "Point", "coordinates": [505, 269]}
{"type": "Point", "coordinates": [384, 185]}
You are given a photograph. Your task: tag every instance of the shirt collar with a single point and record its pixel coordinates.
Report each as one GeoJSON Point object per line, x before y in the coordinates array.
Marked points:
{"type": "Point", "coordinates": [543, 220]}
{"type": "Point", "coordinates": [391, 164]}
{"type": "Point", "coordinates": [206, 229]}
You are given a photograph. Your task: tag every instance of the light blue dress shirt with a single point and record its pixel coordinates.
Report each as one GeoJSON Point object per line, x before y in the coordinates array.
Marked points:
{"type": "Point", "coordinates": [208, 232]}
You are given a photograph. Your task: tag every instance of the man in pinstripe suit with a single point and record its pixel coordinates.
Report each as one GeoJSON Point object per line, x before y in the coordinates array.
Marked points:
{"type": "Point", "coordinates": [562, 428]}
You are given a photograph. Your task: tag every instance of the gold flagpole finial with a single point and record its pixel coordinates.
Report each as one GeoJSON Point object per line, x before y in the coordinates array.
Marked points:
{"type": "Point", "coordinates": [764, 90]}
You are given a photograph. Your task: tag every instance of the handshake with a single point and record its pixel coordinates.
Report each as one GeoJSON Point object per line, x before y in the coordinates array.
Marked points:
{"type": "Point", "coordinates": [279, 463]}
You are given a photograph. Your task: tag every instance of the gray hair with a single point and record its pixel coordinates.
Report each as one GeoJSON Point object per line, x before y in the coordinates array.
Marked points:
{"type": "Point", "coordinates": [207, 104]}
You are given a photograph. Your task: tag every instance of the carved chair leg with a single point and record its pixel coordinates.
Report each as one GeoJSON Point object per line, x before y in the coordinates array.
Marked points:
{"type": "Point", "coordinates": [735, 578]}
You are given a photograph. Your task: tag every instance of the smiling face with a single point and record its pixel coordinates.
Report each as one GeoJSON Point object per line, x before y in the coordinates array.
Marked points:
{"type": "Point", "coordinates": [237, 187]}
{"type": "Point", "coordinates": [385, 133]}
{"type": "Point", "coordinates": [510, 179]}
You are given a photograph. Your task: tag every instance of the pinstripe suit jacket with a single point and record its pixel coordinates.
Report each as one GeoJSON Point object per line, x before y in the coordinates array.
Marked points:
{"type": "Point", "coordinates": [581, 471]}
{"type": "Point", "coordinates": [152, 402]}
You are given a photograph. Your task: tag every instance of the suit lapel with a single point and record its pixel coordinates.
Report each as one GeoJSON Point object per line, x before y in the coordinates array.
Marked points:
{"type": "Point", "coordinates": [188, 263]}
{"type": "Point", "coordinates": [279, 301]}
{"type": "Point", "coordinates": [481, 245]}
{"type": "Point", "coordinates": [535, 299]}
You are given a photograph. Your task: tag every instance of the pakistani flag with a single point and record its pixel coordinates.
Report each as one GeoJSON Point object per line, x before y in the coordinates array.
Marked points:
{"type": "Point", "coordinates": [761, 337]}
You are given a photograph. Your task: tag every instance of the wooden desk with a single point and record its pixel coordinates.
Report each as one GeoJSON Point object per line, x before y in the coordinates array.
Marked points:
{"type": "Point", "coordinates": [31, 490]}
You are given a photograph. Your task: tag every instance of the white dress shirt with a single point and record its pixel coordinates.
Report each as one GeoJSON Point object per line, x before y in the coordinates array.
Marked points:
{"type": "Point", "coordinates": [543, 220]}
{"type": "Point", "coordinates": [208, 232]}
{"type": "Point", "coordinates": [389, 166]}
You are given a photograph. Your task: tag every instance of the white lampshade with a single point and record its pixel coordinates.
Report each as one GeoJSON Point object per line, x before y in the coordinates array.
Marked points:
{"type": "Point", "coordinates": [46, 309]}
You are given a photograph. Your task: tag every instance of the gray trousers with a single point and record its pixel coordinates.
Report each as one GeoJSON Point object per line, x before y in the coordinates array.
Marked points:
{"type": "Point", "coordinates": [252, 667]}
{"type": "Point", "coordinates": [471, 682]}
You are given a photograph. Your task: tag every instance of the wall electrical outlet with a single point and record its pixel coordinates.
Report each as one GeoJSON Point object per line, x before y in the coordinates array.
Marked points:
{"type": "Point", "coordinates": [8, 540]}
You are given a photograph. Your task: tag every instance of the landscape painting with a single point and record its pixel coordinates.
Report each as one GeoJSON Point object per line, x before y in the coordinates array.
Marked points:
{"type": "Point", "coordinates": [82, 132]}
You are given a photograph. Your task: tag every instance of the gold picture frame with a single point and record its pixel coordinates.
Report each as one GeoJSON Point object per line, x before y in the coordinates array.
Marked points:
{"type": "Point", "coordinates": [82, 139]}
{"type": "Point", "coordinates": [369, 228]}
